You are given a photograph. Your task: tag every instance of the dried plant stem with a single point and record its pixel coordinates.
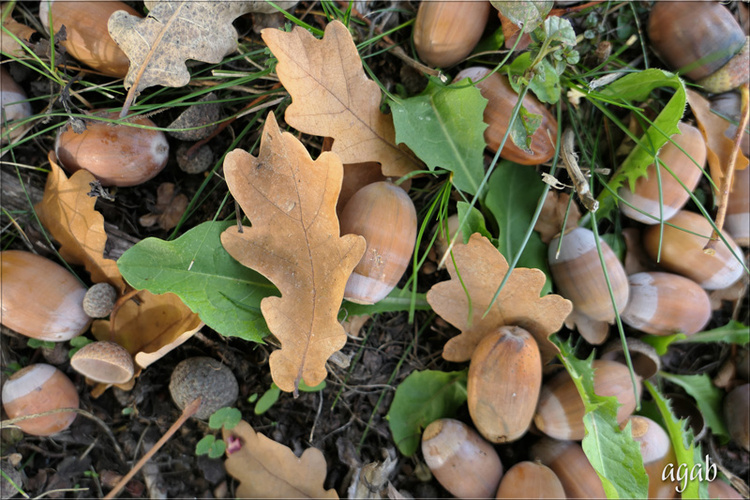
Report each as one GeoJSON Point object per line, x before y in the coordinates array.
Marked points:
{"type": "Point", "coordinates": [728, 179]}
{"type": "Point", "coordinates": [570, 159]}
{"type": "Point", "coordinates": [188, 412]}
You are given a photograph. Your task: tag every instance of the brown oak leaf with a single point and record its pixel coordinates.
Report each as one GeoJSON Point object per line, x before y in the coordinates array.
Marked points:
{"type": "Point", "coordinates": [332, 97]}
{"type": "Point", "coordinates": [294, 242]}
{"type": "Point", "coordinates": [482, 268]}
{"type": "Point", "coordinates": [67, 212]}
{"type": "Point", "coordinates": [168, 210]}
{"type": "Point", "coordinates": [550, 221]}
{"type": "Point", "coordinates": [267, 469]}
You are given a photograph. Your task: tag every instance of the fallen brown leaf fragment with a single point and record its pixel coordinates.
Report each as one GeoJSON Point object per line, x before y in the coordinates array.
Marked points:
{"type": "Point", "coordinates": [552, 217]}
{"type": "Point", "coordinates": [482, 268]}
{"type": "Point", "coordinates": [168, 210]}
{"type": "Point", "coordinates": [294, 242]}
{"type": "Point", "coordinates": [332, 97]}
{"type": "Point", "coordinates": [267, 469]}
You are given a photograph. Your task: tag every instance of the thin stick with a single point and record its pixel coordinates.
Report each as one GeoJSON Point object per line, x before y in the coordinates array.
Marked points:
{"type": "Point", "coordinates": [570, 159]}
{"type": "Point", "coordinates": [728, 180]}
{"type": "Point", "coordinates": [188, 412]}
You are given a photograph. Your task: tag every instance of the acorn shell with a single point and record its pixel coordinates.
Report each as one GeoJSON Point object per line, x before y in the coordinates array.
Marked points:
{"type": "Point", "coordinates": [105, 362]}
{"type": "Point", "coordinates": [87, 37]}
{"type": "Point", "coordinates": [447, 32]}
{"type": "Point", "coordinates": [560, 410]}
{"type": "Point", "coordinates": [568, 461]}
{"type": "Point", "coordinates": [737, 415]}
{"type": "Point", "coordinates": [15, 107]}
{"type": "Point", "coordinates": [665, 303]}
{"type": "Point", "coordinates": [530, 480]}
{"type": "Point", "coordinates": [657, 452]}
{"type": "Point", "coordinates": [385, 215]}
{"type": "Point", "coordinates": [464, 463]}
{"type": "Point", "coordinates": [737, 222]}
{"type": "Point", "coordinates": [37, 389]}
{"type": "Point", "coordinates": [729, 105]}
{"type": "Point", "coordinates": [645, 196]}
{"type": "Point", "coordinates": [117, 155]}
{"type": "Point", "coordinates": [578, 275]}
{"type": "Point", "coordinates": [505, 377]}
{"type": "Point", "coordinates": [682, 251]}
{"type": "Point", "coordinates": [501, 99]}
{"type": "Point", "coordinates": [39, 298]}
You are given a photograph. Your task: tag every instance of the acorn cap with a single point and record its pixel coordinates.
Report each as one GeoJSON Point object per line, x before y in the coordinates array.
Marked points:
{"type": "Point", "coordinates": [105, 362]}
{"type": "Point", "coordinates": [205, 378]}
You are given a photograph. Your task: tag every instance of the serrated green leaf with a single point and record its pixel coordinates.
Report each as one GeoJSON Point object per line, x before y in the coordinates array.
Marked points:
{"type": "Point", "coordinates": [633, 88]}
{"type": "Point", "coordinates": [396, 301]}
{"type": "Point", "coordinates": [203, 446]}
{"type": "Point", "coordinates": [683, 442]}
{"type": "Point", "coordinates": [733, 332]}
{"type": "Point", "coordinates": [708, 397]}
{"type": "Point", "coordinates": [420, 399]}
{"type": "Point", "coordinates": [474, 222]}
{"type": "Point", "coordinates": [224, 293]}
{"type": "Point", "coordinates": [513, 192]}
{"type": "Point", "coordinates": [613, 453]}
{"type": "Point", "coordinates": [226, 417]}
{"type": "Point", "coordinates": [444, 126]}
{"type": "Point", "coordinates": [526, 14]}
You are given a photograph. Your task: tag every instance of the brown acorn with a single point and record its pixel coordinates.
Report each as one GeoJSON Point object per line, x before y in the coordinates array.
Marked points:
{"type": "Point", "coordinates": [568, 461]}
{"type": "Point", "coordinates": [737, 415]}
{"type": "Point", "coordinates": [15, 108]}
{"type": "Point", "coordinates": [657, 453]}
{"type": "Point", "coordinates": [737, 222]}
{"type": "Point", "coordinates": [530, 480]}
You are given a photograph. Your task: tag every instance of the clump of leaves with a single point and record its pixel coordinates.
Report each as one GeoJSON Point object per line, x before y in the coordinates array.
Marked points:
{"type": "Point", "coordinates": [223, 418]}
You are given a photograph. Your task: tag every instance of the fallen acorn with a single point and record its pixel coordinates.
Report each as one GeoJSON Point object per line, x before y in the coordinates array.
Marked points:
{"type": "Point", "coordinates": [206, 378]}
{"type": "Point", "coordinates": [657, 452]}
{"type": "Point", "coordinates": [530, 480]}
{"type": "Point", "coordinates": [568, 461]}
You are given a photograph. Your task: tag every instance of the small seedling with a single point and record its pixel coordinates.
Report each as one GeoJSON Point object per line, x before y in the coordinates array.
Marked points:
{"type": "Point", "coordinates": [267, 400]}
{"type": "Point", "coordinates": [44, 344]}
{"type": "Point", "coordinates": [75, 344]}
{"type": "Point", "coordinates": [225, 417]}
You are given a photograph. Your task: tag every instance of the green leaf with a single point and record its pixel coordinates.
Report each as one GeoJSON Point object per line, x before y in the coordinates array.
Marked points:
{"type": "Point", "coordinates": [513, 192]}
{"type": "Point", "coordinates": [526, 14]}
{"type": "Point", "coordinates": [203, 446]}
{"type": "Point", "coordinates": [396, 301]}
{"type": "Point", "coordinates": [474, 222]}
{"type": "Point", "coordinates": [733, 332]}
{"type": "Point", "coordinates": [306, 388]}
{"type": "Point", "coordinates": [267, 400]}
{"type": "Point", "coordinates": [420, 399]}
{"type": "Point", "coordinates": [217, 449]}
{"type": "Point", "coordinates": [226, 417]}
{"type": "Point", "coordinates": [613, 453]}
{"type": "Point", "coordinates": [559, 29]}
{"type": "Point", "coordinates": [708, 397]}
{"type": "Point", "coordinates": [36, 344]}
{"type": "Point", "coordinates": [224, 293]}
{"type": "Point", "coordinates": [683, 442]}
{"type": "Point", "coordinates": [633, 88]}
{"type": "Point", "coordinates": [80, 341]}
{"type": "Point", "coordinates": [545, 82]}
{"type": "Point", "coordinates": [444, 126]}
{"type": "Point", "coordinates": [662, 342]}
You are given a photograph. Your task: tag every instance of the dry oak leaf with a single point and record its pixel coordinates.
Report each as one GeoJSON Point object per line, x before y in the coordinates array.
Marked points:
{"type": "Point", "coordinates": [67, 212]}
{"type": "Point", "coordinates": [332, 97]}
{"type": "Point", "coordinates": [719, 146]}
{"type": "Point", "coordinates": [482, 268]}
{"type": "Point", "coordinates": [168, 210]}
{"type": "Point", "coordinates": [294, 242]}
{"type": "Point", "coordinates": [267, 469]}
{"type": "Point", "coordinates": [159, 44]}
{"type": "Point", "coordinates": [550, 221]}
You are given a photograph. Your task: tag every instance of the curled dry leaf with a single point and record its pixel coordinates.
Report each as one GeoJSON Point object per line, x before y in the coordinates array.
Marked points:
{"type": "Point", "coordinates": [67, 212]}
{"type": "Point", "coordinates": [551, 219]}
{"type": "Point", "coordinates": [173, 32]}
{"type": "Point", "coordinates": [482, 268]}
{"type": "Point", "coordinates": [332, 97]}
{"type": "Point", "coordinates": [294, 242]}
{"type": "Point", "coordinates": [168, 210]}
{"type": "Point", "coordinates": [19, 31]}
{"type": "Point", "coordinates": [267, 469]}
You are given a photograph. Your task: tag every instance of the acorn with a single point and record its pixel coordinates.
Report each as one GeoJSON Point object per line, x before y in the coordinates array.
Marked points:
{"type": "Point", "coordinates": [117, 154]}
{"type": "Point", "coordinates": [36, 389]}
{"type": "Point", "coordinates": [702, 40]}
{"type": "Point", "coordinates": [720, 489]}
{"type": "Point", "coordinates": [530, 480]}
{"type": "Point", "coordinates": [501, 99]}
{"type": "Point", "coordinates": [737, 222]}
{"type": "Point", "coordinates": [682, 251]}
{"type": "Point", "coordinates": [568, 461]}
{"type": "Point", "coordinates": [657, 452]}
{"type": "Point", "coordinates": [560, 410]}
{"type": "Point", "coordinates": [87, 37]}
{"type": "Point", "coordinates": [729, 105]}
{"type": "Point", "coordinates": [15, 108]}
{"type": "Point", "coordinates": [737, 415]}
{"type": "Point", "coordinates": [105, 362]}
{"type": "Point", "coordinates": [385, 215]}
{"type": "Point", "coordinates": [446, 32]}
{"type": "Point", "coordinates": [206, 378]}
{"type": "Point", "coordinates": [40, 299]}
{"type": "Point", "coordinates": [464, 463]}
{"type": "Point", "coordinates": [100, 300]}
{"type": "Point", "coordinates": [578, 275]}
{"type": "Point", "coordinates": [645, 196]}
{"type": "Point", "coordinates": [665, 303]}
{"type": "Point", "coordinates": [505, 376]}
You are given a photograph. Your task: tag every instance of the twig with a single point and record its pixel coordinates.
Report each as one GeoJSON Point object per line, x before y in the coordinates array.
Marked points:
{"type": "Point", "coordinates": [728, 179]}
{"type": "Point", "coordinates": [188, 412]}
{"type": "Point", "coordinates": [579, 180]}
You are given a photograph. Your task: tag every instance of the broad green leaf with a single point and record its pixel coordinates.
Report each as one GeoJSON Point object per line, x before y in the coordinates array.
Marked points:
{"type": "Point", "coordinates": [474, 222]}
{"type": "Point", "coordinates": [224, 293]}
{"type": "Point", "coordinates": [420, 399]}
{"type": "Point", "coordinates": [733, 332]}
{"type": "Point", "coordinates": [632, 89]}
{"type": "Point", "coordinates": [708, 397]}
{"type": "Point", "coordinates": [267, 400]}
{"type": "Point", "coordinates": [526, 14]}
{"type": "Point", "coordinates": [444, 126]}
{"type": "Point", "coordinates": [662, 342]}
{"type": "Point", "coordinates": [226, 417]}
{"type": "Point", "coordinates": [559, 29]}
{"type": "Point", "coordinates": [545, 82]}
{"type": "Point", "coordinates": [217, 449]}
{"type": "Point", "coordinates": [513, 192]}
{"type": "Point", "coordinates": [687, 453]}
{"type": "Point", "coordinates": [396, 301]}
{"type": "Point", "coordinates": [613, 453]}
{"type": "Point", "coordinates": [203, 446]}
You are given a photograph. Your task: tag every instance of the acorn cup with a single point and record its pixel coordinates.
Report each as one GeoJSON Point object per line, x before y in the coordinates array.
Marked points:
{"type": "Point", "coordinates": [686, 167]}
{"type": "Point", "coordinates": [702, 40]}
